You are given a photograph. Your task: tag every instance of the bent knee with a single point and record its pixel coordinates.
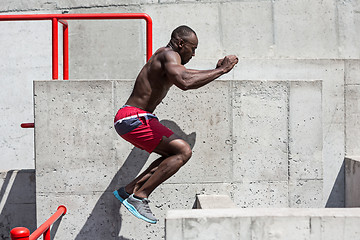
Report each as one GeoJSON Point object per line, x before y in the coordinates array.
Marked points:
{"type": "Point", "coordinates": [185, 153]}
{"type": "Point", "coordinates": [176, 147]}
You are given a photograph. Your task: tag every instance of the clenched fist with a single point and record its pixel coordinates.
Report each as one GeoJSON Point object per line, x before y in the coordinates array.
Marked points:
{"type": "Point", "coordinates": [227, 63]}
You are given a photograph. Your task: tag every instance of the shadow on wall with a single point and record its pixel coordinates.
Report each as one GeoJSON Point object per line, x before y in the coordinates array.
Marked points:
{"type": "Point", "coordinates": [17, 201]}
{"type": "Point", "coordinates": [337, 195]}
{"type": "Point", "coordinates": [105, 220]}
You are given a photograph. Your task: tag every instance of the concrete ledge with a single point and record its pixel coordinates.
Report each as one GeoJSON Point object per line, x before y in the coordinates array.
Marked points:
{"type": "Point", "coordinates": [214, 201]}
{"type": "Point", "coordinates": [258, 132]}
{"type": "Point", "coordinates": [263, 212]}
{"type": "Point", "coordinates": [352, 181]}
{"type": "Point", "coordinates": [268, 223]}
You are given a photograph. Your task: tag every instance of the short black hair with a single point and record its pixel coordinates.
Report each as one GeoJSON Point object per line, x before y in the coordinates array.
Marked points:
{"type": "Point", "coordinates": [182, 31]}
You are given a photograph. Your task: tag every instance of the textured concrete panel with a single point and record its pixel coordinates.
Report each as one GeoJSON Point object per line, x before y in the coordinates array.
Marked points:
{"type": "Point", "coordinates": [305, 29]}
{"type": "Point", "coordinates": [31, 5]}
{"type": "Point", "coordinates": [100, 3]}
{"type": "Point", "coordinates": [261, 194]}
{"type": "Point", "coordinates": [166, 17]}
{"type": "Point", "coordinates": [253, 36]}
{"type": "Point", "coordinates": [305, 130]}
{"type": "Point", "coordinates": [352, 134]}
{"type": "Point", "coordinates": [349, 29]}
{"type": "Point", "coordinates": [122, 91]}
{"type": "Point", "coordinates": [291, 228]}
{"type": "Point", "coordinates": [333, 121]}
{"type": "Point", "coordinates": [107, 49]}
{"type": "Point", "coordinates": [262, 224]}
{"type": "Point", "coordinates": [216, 228]}
{"type": "Point", "coordinates": [260, 131]}
{"type": "Point", "coordinates": [182, 196]}
{"type": "Point", "coordinates": [73, 153]}
{"type": "Point", "coordinates": [74, 132]}
{"type": "Point", "coordinates": [352, 72]}
{"type": "Point", "coordinates": [204, 116]}
{"type": "Point", "coordinates": [214, 201]}
{"type": "Point", "coordinates": [306, 194]}
{"type": "Point", "coordinates": [340, 227]}
{"type": "Point", "coordinates": [21, 62]}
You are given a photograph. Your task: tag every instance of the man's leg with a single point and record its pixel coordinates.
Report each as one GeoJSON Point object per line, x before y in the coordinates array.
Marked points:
{"type": "Point", "coordinates": [176, 153]}
{"type": "Point", "coordinates": [134, 185]}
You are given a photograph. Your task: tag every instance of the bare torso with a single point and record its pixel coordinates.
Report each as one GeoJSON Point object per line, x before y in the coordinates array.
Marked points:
{"type": "Point", "coordinates": [152, 84]}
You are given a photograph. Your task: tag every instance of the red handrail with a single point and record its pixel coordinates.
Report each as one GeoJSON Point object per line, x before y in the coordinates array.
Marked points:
{"type": "Point", "coordinates": [22, 233]}
{"type": "Point", "coordinates": [56, 18]}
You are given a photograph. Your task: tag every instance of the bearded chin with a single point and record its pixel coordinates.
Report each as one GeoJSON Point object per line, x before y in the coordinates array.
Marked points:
{"type": "Point", "coordinates": [183, 62]}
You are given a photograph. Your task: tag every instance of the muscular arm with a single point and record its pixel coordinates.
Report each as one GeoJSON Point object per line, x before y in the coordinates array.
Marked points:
{"type": "Point", "coordinates": [189, 78]}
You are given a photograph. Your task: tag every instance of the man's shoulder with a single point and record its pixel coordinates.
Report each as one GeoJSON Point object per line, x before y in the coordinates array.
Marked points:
{"type": "Point", "coordinates": [166, 54]}
{"type": "Point", "coordinates": [165, 51]}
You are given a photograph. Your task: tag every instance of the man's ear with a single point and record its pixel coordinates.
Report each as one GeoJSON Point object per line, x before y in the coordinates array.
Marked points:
{"type": "Point", "coordinates": [181, 43]}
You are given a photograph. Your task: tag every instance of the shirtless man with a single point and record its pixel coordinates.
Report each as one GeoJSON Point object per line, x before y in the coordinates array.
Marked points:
{"type": "Point", "coordinates": [135, 122]}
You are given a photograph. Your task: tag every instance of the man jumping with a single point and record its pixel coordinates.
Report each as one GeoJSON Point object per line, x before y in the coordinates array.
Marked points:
{"type": "Point", "coordinates": [136, 123]}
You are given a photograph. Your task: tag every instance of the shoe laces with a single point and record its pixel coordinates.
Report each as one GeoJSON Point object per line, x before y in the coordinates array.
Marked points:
{"type": "Point", "coordinates": [146, 206]}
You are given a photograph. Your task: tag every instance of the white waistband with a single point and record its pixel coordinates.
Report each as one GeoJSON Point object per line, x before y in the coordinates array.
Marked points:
{"type": "Point", "coordinates": [146, 115]}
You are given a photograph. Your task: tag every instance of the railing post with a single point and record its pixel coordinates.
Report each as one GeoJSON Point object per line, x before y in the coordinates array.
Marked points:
{"type": "Point", "coordinates": [55, 53]}
{"type": "Point", "coordinates": [44, 229]}
{"type": "Point", "coordinates": [19, 233]}
{"type": "Point", "coordinates": [66, 51]}
{"type": "Point", "coordinates": [149, 38]}
{"type": "Point", "coordinates": [46, 234]}
{"type": "Point", "coordinates": [65, 48]}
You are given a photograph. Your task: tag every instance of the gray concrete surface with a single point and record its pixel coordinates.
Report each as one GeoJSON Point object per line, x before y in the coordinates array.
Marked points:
{"type": "Point", "coordinates": [276, 33]}
{"type": "Point", "coordinates": [352, 181]}
{"type": "Point", "coordinates": [242, 134]}
{"type": "Point", "coordinates": [263, 224]}
{"type": "Point", "coordinates": [285, 41]}
{"type": "Point", "coordinates": [213, 201]}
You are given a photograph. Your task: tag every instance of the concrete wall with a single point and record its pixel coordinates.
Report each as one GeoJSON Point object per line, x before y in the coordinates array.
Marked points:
{"type": "Point", "coordinates": [286, 40]}
{"type": "Point", "coordinates": [247, 139]}
{"type": "Point", "coordinates": [263, 224]}
{"type": "Point", "coordinates": [352, 114]}
{"type": "Point", "coordinates": [115, 49]}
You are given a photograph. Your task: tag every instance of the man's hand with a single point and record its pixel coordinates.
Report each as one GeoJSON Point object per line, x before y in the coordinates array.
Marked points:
{"type": "Point", "coordinates": [227, 63]}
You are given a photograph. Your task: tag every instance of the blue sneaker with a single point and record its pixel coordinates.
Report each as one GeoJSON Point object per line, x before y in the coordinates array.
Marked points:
{"type": "Point", "coordinates": [121, 194]}
{"type": "Point", "coordinates": [140, 208]}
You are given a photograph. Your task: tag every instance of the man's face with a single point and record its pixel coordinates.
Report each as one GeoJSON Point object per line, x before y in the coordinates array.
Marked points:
{"type": "Point", "coordinates": [188, 48]}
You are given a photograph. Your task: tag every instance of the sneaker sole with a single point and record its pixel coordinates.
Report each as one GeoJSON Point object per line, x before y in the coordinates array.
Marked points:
{"type": "Point", "coordinates": [133, 210]}
{"type": "Point", "coordinates": [116, 194]}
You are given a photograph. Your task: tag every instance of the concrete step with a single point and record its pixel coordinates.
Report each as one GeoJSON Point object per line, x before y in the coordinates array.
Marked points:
{"type": "Point", "coordinates": [263, 224]}
{"type": "Point", "coordinates": [214, 201]}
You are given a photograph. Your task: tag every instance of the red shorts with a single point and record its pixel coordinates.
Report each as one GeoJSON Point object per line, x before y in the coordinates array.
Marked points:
{"type": "Point", "coordinates": [141, 128]}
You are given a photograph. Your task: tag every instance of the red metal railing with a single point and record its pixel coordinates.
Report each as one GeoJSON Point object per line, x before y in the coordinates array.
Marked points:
{"type": "Point", "coordinates": [61, 18]}
{"type": "Point", "coordinates": [56, 18]}
{"type": "Point", "coordinates": [22, 233]}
